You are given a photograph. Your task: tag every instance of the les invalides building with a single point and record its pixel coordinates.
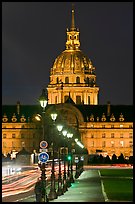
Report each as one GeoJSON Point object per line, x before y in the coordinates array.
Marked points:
{"type": "Point", "coordinates": [73, 91]}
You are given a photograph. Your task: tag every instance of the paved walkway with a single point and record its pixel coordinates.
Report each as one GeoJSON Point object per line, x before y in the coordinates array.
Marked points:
{"type": "Point", "coordinates": [87, 188]}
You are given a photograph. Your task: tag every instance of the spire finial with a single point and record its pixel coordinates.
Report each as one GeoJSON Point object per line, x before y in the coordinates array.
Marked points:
{"type": "Point", "coordinates": [73, 18]}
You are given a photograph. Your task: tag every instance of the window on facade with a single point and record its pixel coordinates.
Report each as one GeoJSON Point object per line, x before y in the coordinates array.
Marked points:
{"type": "Point", "coordinates": [130, 126]}
{"type": "Point", "coordinates": [65, 98]}
{"type": "Point", "coordinates": [121, 135]}
{"type": "Point", "coordinates": [57, 80]}
{"type": "Point", "coordinates": [121, 126]}
{"type": "Point", "coordinates": [130, 135]}
{"type": "Point", "coordinates": [78, 99]}
{"type": "Point", "coordinates": [103, 126]}
{"type": "Point", "coordinates": [55, 99]}
{"type": "Point", "coordinates": [92, 143]}
{"type": "Point", "coordinates": [112, 143]}
{"type": "Point", "coordinates": [13, 135]}
{"type": "Point", "coordinates": [77, 80]}
{"type": "Point", "coordinates": [92, 135]}
{"type": "Point", "coordinates": [103, 135]}
{"type": "Point", "coordinates": [130, 143]}
{"type": "Point", "coordinates": [89, 100]}
{"type": "Point", "coordinates": [121, 143]}
{"type": "Point", "coordinates": [13, 144]}
{"type": "Point", "coordinates": [4, 135]}
{"type": "Point", "coordinates": [4, 144]}
{"type": "Point", "coordinates": [112, 126]}
{"type": "Point", "coordinates": [112, 135]}
{"type": "Point", "coordinates": [103, 144]}
{"type": "Point", "coordinates": [22, 135]}
{"type": "Point", "coordinates": [67, 80]}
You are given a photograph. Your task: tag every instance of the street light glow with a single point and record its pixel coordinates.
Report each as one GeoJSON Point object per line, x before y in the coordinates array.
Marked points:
{"type": "Point", "coordinates": [64, 132]}
{"type": "Point", "coordinates": [59, 127]}
{"type": "Point", "coordinates": [79, 143]}
{"type": "Point", "coordinates": [54, 116]}
{"type": "Point", "coordinates": [69, 135]}
{"type": "Point", "coordinates": [38, 117]}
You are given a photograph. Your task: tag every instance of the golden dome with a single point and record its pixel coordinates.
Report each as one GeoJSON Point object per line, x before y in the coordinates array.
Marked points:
{"type": "Point", "coordinates": [73, 61]}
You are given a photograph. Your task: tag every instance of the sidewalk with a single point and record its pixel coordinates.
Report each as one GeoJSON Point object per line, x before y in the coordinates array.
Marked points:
{"type": "Point", "coordinates": [87, 188]}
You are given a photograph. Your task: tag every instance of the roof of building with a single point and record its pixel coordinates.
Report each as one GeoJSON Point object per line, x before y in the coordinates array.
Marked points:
{"type": "Point", "coordinates": [88, 111]}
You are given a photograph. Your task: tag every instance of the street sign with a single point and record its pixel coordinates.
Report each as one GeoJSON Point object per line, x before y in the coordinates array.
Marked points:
{"type": "Point", "coordinates": [43, 157]}
{"type": "Point", "coordinates": [43, 144]}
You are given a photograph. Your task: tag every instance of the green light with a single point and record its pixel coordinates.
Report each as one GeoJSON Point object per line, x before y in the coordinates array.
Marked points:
{"type": "Point", "coordinates": [69, 157]}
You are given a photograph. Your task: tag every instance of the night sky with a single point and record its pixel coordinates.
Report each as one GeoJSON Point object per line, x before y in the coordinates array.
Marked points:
{"type": "Point", "coordinates": [34, 34]}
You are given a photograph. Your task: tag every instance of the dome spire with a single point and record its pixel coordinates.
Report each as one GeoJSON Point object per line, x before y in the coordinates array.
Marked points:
{"type": "Point", "coordinates": [73, 18]}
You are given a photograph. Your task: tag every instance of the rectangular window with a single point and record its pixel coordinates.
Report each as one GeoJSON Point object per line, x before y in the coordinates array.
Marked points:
{"type": "Point", "coordinates": [112, 126]}
{"type": "Point", "coordinates": [4, 136]}
{"type": "Point", "coordinates": [103, 135]}
{"type": "Point", "coordinates": [103, 144]}
{"type": "Point", "coordinates": [92, 143]}
{"type": "Point", "coordinates": [13, 144]}
{"type": "Point", "coordinates": [130, 143]}
{"type": "Point", "coordinates": [130, 135]}
{"type": "Point", "coordinates": [13, 135]}
{"type": "Point", "coordinates": [65, 98]}
{"type": "Point", "coordinates": [112, 143]}
{"type": "Point", "coordinates": [121, 143]}
{"type": "Point", "coordinates": [89, 100]}
{"type": "Point", "coordinates": [103, 126]}
{"type": "Point", "coordinates": [121, 135]}
{"type": "Point", "coordinates": [78, 99]}
{"type": "Point", "coordinates": [22, 136]}
{"type": "Point", "coordinates": [92, 135]}
{"type": "Point", "coordinates": [112, 135]}
{"type": "Point", "coordinates": [4, 144]}
{"type": "Point", "coordinates": [121, 126]}
{"type": "Point", "coordinates": [55, 99]}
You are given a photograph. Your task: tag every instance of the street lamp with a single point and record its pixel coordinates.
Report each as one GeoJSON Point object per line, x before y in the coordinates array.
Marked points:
{"type": "Point", "coordinates": [64, 132]}
{"type": "Point", "coordinates": [43, 102]}
{"type": "Point", "coordinates": [43, 99]}
{"type": "Point", "coordinates": [60, 190]}
{"type": "Point", "coordinates": [52, 194]}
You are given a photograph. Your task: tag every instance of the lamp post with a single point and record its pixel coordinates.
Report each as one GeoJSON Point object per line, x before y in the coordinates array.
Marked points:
{"type": "Point", "coordinates": [60, 190]}
{"type": "Point", "coordinates": [64, 132]}
{"type": "Point", "coordinates": [52, 194]}
{"type": "Point", "coordinates": [43, 102]}
{"type": "Point", "coordinates": [70, 136]}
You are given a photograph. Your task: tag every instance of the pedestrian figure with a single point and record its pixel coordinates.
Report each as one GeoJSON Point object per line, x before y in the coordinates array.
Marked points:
{"type": "Point", "coordinates": [38, 190]}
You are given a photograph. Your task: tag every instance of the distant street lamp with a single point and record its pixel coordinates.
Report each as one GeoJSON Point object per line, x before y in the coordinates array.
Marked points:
{"type": "Point", "coordinates": [43, 102]}
{"type": "Point", "coordinates": [60, 190]}
{"type": "Point", "coordinates": [64, 132]}
{"type": "Point", "coordinates": [52, 194]}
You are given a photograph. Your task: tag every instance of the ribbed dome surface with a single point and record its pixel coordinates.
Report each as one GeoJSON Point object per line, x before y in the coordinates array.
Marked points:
{"type": "Point", "coordinates": [72, 59]}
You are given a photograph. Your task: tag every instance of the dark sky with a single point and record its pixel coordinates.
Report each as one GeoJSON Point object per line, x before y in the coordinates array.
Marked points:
{"type": "Point", "coordinates": [34, 34]}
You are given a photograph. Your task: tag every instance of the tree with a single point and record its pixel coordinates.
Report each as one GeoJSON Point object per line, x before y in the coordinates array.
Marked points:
{"type": "Point", "coordinates": [121, 159]}
{"type": "Point", "coordinates": [114, 159]}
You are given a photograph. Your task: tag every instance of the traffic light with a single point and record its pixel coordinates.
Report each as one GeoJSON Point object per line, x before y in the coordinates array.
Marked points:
{"type": "Point", "coordinates": [69, 157]}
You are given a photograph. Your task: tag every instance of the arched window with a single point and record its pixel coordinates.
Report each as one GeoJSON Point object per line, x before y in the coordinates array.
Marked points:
{"type": "Point", "coordinates": [67, 80]}
{"type": "Point", "coordinates": [78, 99]}
{"type": "Point", "coordinates": [77, 80]}
{"type": "Point", "coordinates": [57, 80]}
{"type": "Point", "coordinates": [65, 98]}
